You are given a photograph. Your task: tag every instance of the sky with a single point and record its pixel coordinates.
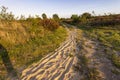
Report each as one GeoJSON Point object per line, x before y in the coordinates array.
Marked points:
{"type": "Point", "coordinates": [64, 8]}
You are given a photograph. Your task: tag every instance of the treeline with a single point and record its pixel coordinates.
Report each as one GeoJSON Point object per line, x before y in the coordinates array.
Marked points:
{"type": "Point", "coordinates": [92, 20]}
{"type": "Point", "coordinates": [48, 23]}
{"type": "Point", "coordinates": [54, 22]}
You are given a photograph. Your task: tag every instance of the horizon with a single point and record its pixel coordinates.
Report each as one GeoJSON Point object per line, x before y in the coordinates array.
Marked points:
{"type": "Point", "coordinates": [60, 7]}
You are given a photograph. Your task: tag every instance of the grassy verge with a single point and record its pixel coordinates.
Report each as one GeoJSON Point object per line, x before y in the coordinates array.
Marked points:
{"type": "Point", "coordinates": [27, 43]}
{"type": "Point", "coordinates": [109, 37]}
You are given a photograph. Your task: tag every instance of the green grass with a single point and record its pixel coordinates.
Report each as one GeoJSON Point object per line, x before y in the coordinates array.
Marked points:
{"type": "Point", "coordinates": [36, 47]}
{"type": "Point", "coordinates": [89, 73]}
{"type": "Point", "coordinates": [109, 37]}
{"type": "Point", "coordinates": [116, 60]}
{"type": "Point", "coordinates": [27, 44]}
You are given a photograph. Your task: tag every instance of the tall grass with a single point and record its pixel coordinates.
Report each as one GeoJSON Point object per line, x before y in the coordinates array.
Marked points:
{"type": "Point", "coordinates": [27, 42]}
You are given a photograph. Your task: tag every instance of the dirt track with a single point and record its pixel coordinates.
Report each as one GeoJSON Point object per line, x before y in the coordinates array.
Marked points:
{"type": "Point", "coordinates": [57, 65]}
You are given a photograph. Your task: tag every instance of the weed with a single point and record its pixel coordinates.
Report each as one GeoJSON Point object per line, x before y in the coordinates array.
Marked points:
{"type": "Point", "coordinates": [70, 55]}
{"type": "Point", "coordinates": [115, 71]}
{"type": "Point", "coordinates": [116, 60]}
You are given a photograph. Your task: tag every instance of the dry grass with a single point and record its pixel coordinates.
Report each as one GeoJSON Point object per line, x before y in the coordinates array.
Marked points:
{"type": "Point", "coordinates": [28, 43]}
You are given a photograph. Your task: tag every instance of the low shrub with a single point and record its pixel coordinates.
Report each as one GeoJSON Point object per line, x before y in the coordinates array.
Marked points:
{"type": "Point", "coordinates": [49, 24]}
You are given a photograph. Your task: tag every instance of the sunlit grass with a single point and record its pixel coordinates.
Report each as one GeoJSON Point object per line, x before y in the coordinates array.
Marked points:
{"type": "Point", "coordinates": [109, 37]}
{"type": "Point", "coordinates": [27, 44]}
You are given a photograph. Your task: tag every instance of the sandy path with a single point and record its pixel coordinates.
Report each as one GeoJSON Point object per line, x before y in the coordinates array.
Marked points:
{"type": "Point", "coordinates": [57, 65]}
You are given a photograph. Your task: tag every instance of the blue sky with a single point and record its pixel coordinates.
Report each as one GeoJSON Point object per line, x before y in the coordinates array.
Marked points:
{"type": "Point", "coordinates": [64, 8]}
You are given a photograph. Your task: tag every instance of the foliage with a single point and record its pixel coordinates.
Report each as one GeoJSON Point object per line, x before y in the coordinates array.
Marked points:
{"type": "Point", "coordinates": [27, 40]}
{"type": "Point", "coordinates": [108, 35]}
{"type": "Point", "coordinates": [92, 20]}
{"type": "Point", "coordinates": [49, 24]}
{"type": "Point", "coordinates": [86, 15]}
{"type": "Point", "coordinates": [93, 74]}
{"type": "Point", "coordinates": [22, 17]}
{"type": "Point", "coordinates": [4, 15]}
{"type": "Point", "coordinates": [56, 17]}
{"type": "Point", "coordinates": [75, 18]}
{"type": "Point", "coordinates": [84, 18]}
{"type": "Point", "coordinates": [44, 16]}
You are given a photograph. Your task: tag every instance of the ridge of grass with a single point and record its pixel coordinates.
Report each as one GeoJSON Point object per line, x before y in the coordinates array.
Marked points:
{"type": "Point", "coordinates": [28, 43]}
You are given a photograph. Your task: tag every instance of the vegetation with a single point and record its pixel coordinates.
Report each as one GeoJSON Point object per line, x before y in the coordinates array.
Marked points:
{"type": "Point", "coordinates": [109, 37]}
{"type": "Point", "coordinates": [116, 60]}
{"type": "Point", "coordinates": [56, 17]}
{"type": "Point", "coordinates": [44, 16]}
{"type": "Point", "coordinates": [4, 15]}
{"type": "Point", "coordinates": [75, 18]}
{"type": "Point", "coordinates": [115, 71]}
{"type": "Point", "coordinates": [104, 30]}
{"type": "Point", "coordinates": [27, 40]}
{"type": "Point", "coordinates": [92, 20]}
{"type": "Point", "coordinates": [49, 24]}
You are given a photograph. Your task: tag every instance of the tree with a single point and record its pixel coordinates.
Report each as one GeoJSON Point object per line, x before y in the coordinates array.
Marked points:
{"type": "Point", "coordinates": [3, 12]}
{"type": "Point", "coordinates": [4, 15]}
{"type": "Point", "coordinates": [56, 17]}
{"type": "Point", "coordinates": [93, 12]}
{"type": "Point", "coordinates": [22, 17]}
{"type": "Point", "coordinates": [44, 16]}
{"type": "Point", "coordinates": [86, 15]}
{"type": "Point", "coordinates": [75, 18]}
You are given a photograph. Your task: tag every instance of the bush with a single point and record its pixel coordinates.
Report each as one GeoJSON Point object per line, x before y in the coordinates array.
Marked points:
{"type": "Point", "coordinates": [49, 24]}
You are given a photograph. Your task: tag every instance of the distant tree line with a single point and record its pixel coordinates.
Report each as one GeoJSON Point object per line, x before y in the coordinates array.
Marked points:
{"type": "Point", "coordinates": [93, 20]}
{"type": "Point", "coordinates": [48, 23]}
{"type": "Point", "coordinates": [54, 22]}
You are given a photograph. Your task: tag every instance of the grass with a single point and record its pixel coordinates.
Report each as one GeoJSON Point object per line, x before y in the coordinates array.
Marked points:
{"type": "Point", "coordinates": [87, 72]}
{"type": "Point", "coordinates": [116, 60]}
{"type": "Point", "coordinates": [26, 43]}
{"type": "Point", "coordinates": [93, 74]}
{"type": "Point", "coordinates": [115, 71]}
{"type": "Point", "coordinates": [109, 37]}
{"type": "Point", "coordinates": [84, 60]}
{"type": "Point", "coordinates": [70, 55]}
